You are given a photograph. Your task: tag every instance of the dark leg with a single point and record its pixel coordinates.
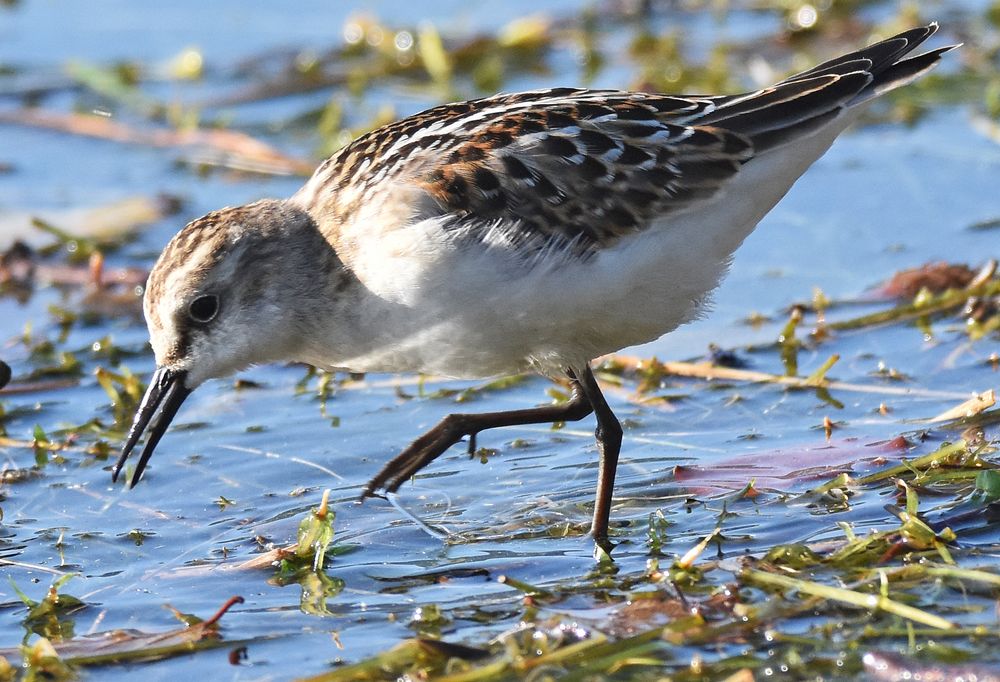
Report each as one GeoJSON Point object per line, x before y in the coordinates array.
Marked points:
{"type": "Point", "coordinates": [609, 444]}
{"type": "Point", "coordinates": [454, 427]}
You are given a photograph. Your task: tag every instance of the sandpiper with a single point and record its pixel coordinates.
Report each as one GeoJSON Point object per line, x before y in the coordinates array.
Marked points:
{"type": "Point", "coordinates": [522, 232]}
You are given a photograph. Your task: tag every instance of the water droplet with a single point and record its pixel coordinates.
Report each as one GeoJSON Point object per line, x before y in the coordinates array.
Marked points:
{"type": "Point", "coordinates": [806, 16]}
{"type": "Point", "coordinates": [403, 40]}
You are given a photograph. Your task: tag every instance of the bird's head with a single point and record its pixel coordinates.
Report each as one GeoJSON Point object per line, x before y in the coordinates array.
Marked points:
{"type": "Point", "coordinates": [232, 289]}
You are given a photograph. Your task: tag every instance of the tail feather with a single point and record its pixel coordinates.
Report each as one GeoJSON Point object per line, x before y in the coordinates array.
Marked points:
{"type": "Point", "coordinates": [882, 54]}
{"type": "Point", "coordinates": [902, 72]}
{"type": "Point", "coordinates": [771, 100]}
{"type": "Point", "coordinates": [805, 102]}
{"type": "Point", "coordinates": [770, 139]}
{"type": "Point", "coordinates": [831, 93]}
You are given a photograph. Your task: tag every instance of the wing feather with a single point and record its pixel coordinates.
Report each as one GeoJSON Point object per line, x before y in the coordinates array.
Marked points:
{"type": "Point", "coordinates": [579, 169]}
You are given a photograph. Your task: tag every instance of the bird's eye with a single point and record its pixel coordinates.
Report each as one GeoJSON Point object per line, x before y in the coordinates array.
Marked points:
{"type": "Point", "coordinates": [204, 308]}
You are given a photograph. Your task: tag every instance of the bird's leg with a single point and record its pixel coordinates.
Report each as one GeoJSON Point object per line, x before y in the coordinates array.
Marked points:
{"type": "Point", "coordinates": [454, 427]}
{"type": "Point", "coordinates": [609, 443]}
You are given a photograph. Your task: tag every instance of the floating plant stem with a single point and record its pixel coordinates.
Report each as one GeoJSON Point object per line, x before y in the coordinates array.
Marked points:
{"type": "Point", "coordinates": [864, 600]}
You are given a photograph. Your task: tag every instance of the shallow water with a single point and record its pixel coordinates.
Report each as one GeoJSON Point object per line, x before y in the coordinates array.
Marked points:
{"type": "Point", "coordinates": [242, 466]}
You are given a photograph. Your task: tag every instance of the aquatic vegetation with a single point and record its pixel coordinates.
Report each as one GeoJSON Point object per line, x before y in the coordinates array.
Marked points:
{"type": "Point", "coordinates": [814, 494]}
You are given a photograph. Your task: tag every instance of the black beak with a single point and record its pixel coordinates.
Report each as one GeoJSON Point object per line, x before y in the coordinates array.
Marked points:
{"type": "Point", "coordinates": [166, 388]}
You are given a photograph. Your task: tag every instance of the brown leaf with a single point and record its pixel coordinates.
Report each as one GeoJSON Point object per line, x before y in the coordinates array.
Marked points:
{"type": "Point", "coordinates": [122, 645]}
{"type": "Point", "coordinates": [936, 277]}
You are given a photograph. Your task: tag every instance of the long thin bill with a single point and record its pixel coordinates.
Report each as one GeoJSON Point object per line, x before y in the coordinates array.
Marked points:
{"type": "Point", "coordinates": [164, 396]}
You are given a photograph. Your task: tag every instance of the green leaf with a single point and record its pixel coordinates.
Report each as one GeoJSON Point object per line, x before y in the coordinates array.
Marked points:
{"type": "Point", "coordinates": [39, 434]}
{"type": "Point", "coordinates": [316, 533]}
{"type": "Point", "coordinates": [28, 601]}
{"type": "Point", "coordinates": [988, 483]}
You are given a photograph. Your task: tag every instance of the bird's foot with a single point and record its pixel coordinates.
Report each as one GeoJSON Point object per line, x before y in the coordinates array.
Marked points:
{"type": "Point", "coordinates": [602, 550]}
{"type": "Point", "coordinates": [421, 452]}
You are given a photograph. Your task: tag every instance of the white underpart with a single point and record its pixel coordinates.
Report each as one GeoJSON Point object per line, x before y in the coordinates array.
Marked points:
{"type": "Point", "coordinates": [477, 308]}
